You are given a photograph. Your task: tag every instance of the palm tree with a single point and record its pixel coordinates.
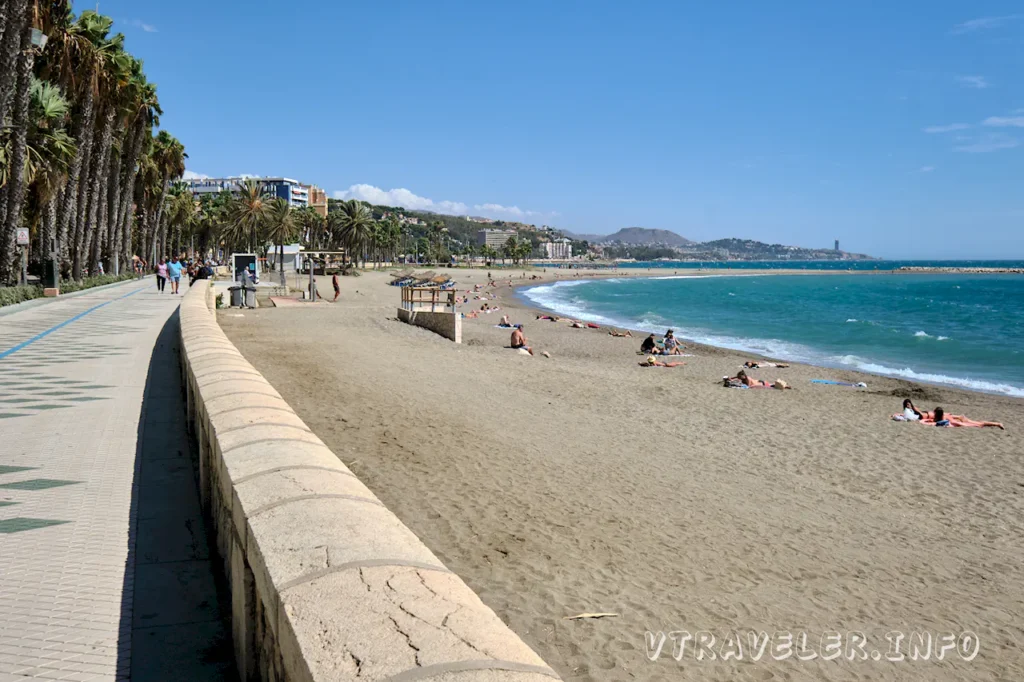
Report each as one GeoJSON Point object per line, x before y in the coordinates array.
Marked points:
{"type": "Point", "coordinates": [281, 228]}
{"type": "Point", "coordinates": [354, 226]}
{"type": "Point", "coordinates": [182, 214]}
{"type": "Point", "coordinates": [247, 215]}
{"type": "Point", "coordinates": [488, 253]}
{"type": "Point", "coordinates": [169, 156]}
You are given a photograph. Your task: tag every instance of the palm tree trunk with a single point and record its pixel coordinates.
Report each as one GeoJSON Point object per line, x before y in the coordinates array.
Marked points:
{"type": "Point", "coordinates": [131, 164]}
{"type": "Point", "coordinates": [96, 227]}
{"type": "Point", "coordinates": [158, 235]}
{"type": "Point", "coordinates": [82, 203]}
{"type": "Point", "coordinates": [69, 195]}
{"type": "Point", "coordinates": [13, 21]}
{"type": "Point", "coordinates": [15, 195]}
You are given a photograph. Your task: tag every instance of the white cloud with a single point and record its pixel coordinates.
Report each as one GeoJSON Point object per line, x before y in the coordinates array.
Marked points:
{"type": "Point", "coordinates": [139, 24]}
{"type": "Point", "coordinates": [976, 82]}
{"type": "Point", "coordinates": [406, 199]}
{"type": "Point", "coordinates": [947, 128]}
{"type": "Point", "coordinates": [190, 175]}
{"type": "Point", "coordinates": [992, 142]}
{"type": "Point", "coordinates": [498, 208]}
{"type": "Point", "coordinates": [1005, 121]}
{"type": "Point", "coordinates": [401, 197]}
{"type": "Point", "coordinates": [926, 169]}
{"type": "Point", "coordinates": [983, 23]}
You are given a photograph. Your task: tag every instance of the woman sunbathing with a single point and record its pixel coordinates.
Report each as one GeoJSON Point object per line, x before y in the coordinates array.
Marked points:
{"type": "Point", "coordinates": [940, 418]}
{"type": "Point", "coordinates": [614, 332]}
{"type": "Point", "coordinates": [762, 364]}
{"type": "Point", "coordinates": [751, 382]}
{"type": "Point", "coordinates": [652, 361]}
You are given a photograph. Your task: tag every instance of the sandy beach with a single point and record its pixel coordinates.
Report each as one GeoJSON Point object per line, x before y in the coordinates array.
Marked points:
{"type": "Point", "coordinates": [585, 483]}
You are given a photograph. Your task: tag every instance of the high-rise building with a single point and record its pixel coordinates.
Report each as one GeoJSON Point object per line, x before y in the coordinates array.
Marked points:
{"type": "Point", "coordinates": [493, 238]}
{"type": "Point", "coordinates": [318, 200]}
{"type": "Point", "coordinates": [559, 249]}
{"type": "Point", "coordinates": [837, 245]}
{"type": "Point", "coordinates": [293, 191]}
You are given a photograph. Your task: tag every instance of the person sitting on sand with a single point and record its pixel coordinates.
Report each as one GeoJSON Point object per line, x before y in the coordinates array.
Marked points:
{"type": "Point", "coordinates": [504, 321]}
{"type": "Point", "coordinates": [649, 345]}
{"type": "Point", "coordinates": [652, 361]}
{"type": "Point", "coordinates": [519, 339]}
{"type": "Point", "coordinates": [762, 364]}
{"type": "Point", "coordinates": [910, 412]}
{"type": "Point", "coordinates": [672, 345]}
{"type": "Point", "coordinates": [940, 418]}
{"type": "Point", "coordinates": [615, 332]}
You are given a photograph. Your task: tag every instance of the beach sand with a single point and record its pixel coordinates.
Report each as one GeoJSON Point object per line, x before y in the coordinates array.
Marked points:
{"type": "Point", "coordinates": [585, 483]}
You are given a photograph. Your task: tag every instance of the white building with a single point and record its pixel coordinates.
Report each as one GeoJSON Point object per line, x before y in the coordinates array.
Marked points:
{"type": "Point", "coordinates": [294, 191]}
{"type": "Point", "coordinates": [559, 249]}
{"type": "Point", "coordinates": [494, 238]}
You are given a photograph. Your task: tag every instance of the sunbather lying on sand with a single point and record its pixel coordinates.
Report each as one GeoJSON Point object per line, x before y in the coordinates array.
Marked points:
{"type": "Point", "coordinates": [762, 364]}
{"type": "Point", "coordinates": [939, 418]}
{"type": "Point", "coordinates": [615, 332]}
{"type": "Point", "coordinates": [750, 382]}
{"type": "Point", "coordinates": [652, 361]}
{"type": "Point", "coordinates": [552, 318]}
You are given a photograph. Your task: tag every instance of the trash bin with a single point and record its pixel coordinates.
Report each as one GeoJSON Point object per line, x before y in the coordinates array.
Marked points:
{"type": "Point", "coordinates": [250, 296]}
{"type": "Point", "coordinates": [236, 296]}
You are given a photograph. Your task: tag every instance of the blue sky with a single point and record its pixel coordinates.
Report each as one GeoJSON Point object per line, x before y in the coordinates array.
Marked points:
{"type": "Point", "coordinates": [897, 128]}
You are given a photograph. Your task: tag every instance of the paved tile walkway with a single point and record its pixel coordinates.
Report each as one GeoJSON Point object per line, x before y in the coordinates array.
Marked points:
{"type": "Point", "coordinates": [105, 570]}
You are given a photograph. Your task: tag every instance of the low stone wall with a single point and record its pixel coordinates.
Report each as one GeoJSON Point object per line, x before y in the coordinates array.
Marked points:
{"type": "Point", "coordinates": [326, 583]}
{"type": "Point", "coordinates": [448, 325]}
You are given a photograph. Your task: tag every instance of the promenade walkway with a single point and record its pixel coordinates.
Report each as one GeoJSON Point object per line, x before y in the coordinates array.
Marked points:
{"type": "Point", "coordinates": [105, 569]}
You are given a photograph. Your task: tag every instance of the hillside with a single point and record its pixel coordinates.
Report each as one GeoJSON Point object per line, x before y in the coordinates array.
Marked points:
{"type": "Point", "coordinates": [635, 236]}
{"type": "Point", "coordinates": [645, 235]}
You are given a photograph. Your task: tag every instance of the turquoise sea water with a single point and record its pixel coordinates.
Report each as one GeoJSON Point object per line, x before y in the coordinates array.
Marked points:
{"type": "Point", "coordinates": [961, 330]}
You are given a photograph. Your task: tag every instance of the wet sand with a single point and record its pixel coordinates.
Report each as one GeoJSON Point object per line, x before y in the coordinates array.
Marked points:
{"type": "Point", "coordinates": [585, 483]}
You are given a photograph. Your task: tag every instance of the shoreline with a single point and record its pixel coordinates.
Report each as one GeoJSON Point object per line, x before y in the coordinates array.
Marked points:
{"type": "Point", "coordinates": [520, 298]}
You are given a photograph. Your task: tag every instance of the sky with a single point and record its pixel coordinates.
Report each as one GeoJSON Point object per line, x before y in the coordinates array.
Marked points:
{"type": "Point", "coordinates": [895, 127]}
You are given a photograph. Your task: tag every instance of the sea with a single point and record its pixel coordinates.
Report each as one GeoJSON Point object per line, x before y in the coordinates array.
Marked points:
{"type": "Point", "coordinates": [963, 330]}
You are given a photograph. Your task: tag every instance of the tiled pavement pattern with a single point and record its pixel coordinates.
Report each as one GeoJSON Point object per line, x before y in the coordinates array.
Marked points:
{"type": "Point", "coordinates": [105, 571]}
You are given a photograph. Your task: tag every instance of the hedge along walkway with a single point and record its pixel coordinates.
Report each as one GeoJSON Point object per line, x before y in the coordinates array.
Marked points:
{"type": "Point", "coordinates": [104, 565]}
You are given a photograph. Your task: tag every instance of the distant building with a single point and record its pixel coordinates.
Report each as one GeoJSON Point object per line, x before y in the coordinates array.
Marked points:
{"type": "Point", "coordinates": [318, 200]}
{"type": "Point", "coordinates": [493, 238]}
{"type": "Point", "coordinates": [837, 245]}
{"type": "Point", "coordinates": [559, 249]}
{"type": "Point", "coordinates": [293, 191]}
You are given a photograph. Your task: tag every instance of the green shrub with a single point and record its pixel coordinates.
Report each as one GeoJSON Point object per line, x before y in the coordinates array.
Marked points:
{"type": "Point", "coordinates": [12, 295]}
{"type": "Point", "coordinates": [68, 287]}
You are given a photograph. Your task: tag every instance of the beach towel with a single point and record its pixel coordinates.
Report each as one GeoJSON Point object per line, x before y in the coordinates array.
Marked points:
{"type": "Point", "coordinates": [831, 382]}
{"type": "Point", "coordinates": [504, 326]}
{"type": "Point", "coordinates": [593, 326]}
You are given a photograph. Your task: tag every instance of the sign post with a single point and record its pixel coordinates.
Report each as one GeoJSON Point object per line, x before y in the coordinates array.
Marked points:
{"type": "Point", "coordinates": [22, 241]}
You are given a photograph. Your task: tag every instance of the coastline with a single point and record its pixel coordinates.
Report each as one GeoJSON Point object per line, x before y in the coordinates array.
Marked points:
{"type": "Point", "coordinates": [854, 375]}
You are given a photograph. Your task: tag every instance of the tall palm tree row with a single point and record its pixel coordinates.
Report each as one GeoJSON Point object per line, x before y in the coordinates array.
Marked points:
{"type": "Point", "coordinates": [80, 165]}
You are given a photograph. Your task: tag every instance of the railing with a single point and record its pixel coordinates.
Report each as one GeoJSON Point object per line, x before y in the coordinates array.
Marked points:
{"type": "Point", "coordinates": [428, 298]}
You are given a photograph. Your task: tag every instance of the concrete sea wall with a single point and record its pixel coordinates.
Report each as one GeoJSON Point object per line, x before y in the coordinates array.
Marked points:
{"type": "Point", "coordinates": [448, 325]}
{"type": "Point", "coordinates": [326, 583]}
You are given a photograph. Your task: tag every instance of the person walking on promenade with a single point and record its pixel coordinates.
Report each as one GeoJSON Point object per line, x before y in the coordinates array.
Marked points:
{"type": "Point", "coordinates": [337, 287]}
{"type": "Point", "coordinates": [174, 270]}
{"type": "Point", "coordinates": [161, 275]}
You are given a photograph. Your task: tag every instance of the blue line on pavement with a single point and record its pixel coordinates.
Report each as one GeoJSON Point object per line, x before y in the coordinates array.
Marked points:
{"type": "Point", "coordinates": [40, 335]}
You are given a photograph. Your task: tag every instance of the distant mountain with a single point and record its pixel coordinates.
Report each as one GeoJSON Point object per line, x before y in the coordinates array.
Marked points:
{"type": "Point", "coordinates": [636, 236]}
